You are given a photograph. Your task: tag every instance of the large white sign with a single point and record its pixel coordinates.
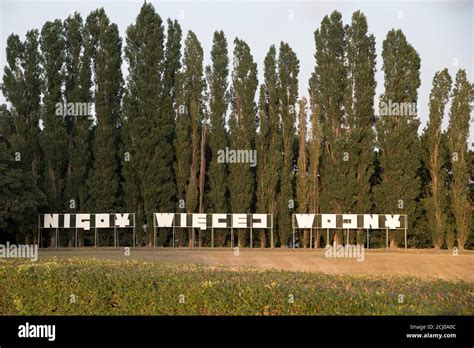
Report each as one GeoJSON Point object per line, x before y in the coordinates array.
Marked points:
{"type": "Point", "coordinates": [205, 221]}
{"type": "Point", "coordinates": [87, 221]}
{"type": "Point", "coordinates": [350, 221]}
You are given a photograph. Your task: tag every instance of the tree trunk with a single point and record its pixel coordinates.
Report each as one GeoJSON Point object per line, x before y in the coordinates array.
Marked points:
{"type": "Point", "coordinates": [263, 239]}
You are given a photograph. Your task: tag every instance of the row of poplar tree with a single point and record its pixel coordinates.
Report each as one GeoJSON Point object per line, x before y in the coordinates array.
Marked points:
{"type": "Point", "coordinates": [152, 145]}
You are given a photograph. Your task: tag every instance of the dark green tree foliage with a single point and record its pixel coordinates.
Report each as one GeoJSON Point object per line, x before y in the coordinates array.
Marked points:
{"type": "Point", "coordinates": [359, 115]}
{"type": "Point", "coordinates": [182, 148]}
{"type": "Point", "coordinates": [242, 126]}
{"type": "Point", "coordinates": [302, 182]}
{"type": "Point", "coordinates": [190, 116]}
{"type": "Point", "coordinates": [77, 90]}
{"type": "Point", "coordinates": [268, 141]}
{"type": "Point", "coordinates": [399, 145]}
{"type": "Point", "coordinates": [458, 132]}
{"type": "Point", "coordinates": [328, 83]}
{"type": "Point", "coordinates": [360, 109]}
{"type": "Point", "coordinates": [136, 108]}
{"type": "Point", "coordinates": [314, 148]}
{"type": "Point", "coordinates": [172, 65]}
{"type": "Point", "coordinates": [53, 138]}
{"type": "Point", "coordinates": [217, 81]}
{"type": "Point", "coordinates": [22, 88]}
{"type": "Point", "coordinates": [160, 168]}
{"type": "Point", "coordinates": [106, 47]}
{"type": "Point", "coordinates": [437, 195]}
{"type": "Point", "coordinates": [19, 192]}
{"type": "Point", "coordinates": [217, 75]}
{"type": "Point", "coordinates": [288, 69]}
{"type": "Point", "coordinates": [148, 107]}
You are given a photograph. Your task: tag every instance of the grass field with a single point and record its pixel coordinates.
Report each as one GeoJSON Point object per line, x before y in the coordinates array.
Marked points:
{"type": "Point", "coordinates": [91, 286]}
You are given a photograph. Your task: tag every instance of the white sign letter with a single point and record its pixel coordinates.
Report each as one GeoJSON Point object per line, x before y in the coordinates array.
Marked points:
{"type": "Point", "coordinates": [371, 221]}
{"type": "Point", "coordinates": [328, 221]}
{"type": "Point", "coordinates": [239, 220]}
{"type": "Point", "coordinates": [122, 220]}
{"type": "Point", "coordinates": [305, 220]}
{"type": "Point", "coordinates": [164, 219]}
{"type": "Point", "coordinates": [51, 220]}
{"type": "Point", "coordinates": [199, 221]}
{"type": "Point", "coordinates": [82, 221]}
{"type": "Point", "coordinates": [392, 221]}
{"type": "Point", "coordinates": [352, 223]}
{"type": "Point", "coordinates": [102, 220]}
{"type": "Point", "coordinates": [215, 220]}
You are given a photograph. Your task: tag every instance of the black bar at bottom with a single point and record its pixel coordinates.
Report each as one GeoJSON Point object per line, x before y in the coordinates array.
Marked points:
{"type": "Point", "coordinates": [341, 330]}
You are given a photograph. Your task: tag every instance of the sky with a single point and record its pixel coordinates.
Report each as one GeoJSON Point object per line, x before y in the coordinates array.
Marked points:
{"type": "Point", "coordinates": [441, 31]}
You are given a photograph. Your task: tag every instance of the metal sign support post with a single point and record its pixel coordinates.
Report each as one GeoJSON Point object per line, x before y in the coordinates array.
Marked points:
{"type": "Point", "coordinates": [39, 232]}
{"type": "Point", "coordinates": [174, 242]}
{"type": "Point", "coordinates": [293, 238]}
{"type": "Point", "coordinates": [406, 246]}
{"type": "Point", "coordinates": [251, 238]}
{"type": "Point", "coordinates": [271, 235]}
{"type": "Point", "coordinates": [134, 236]}
{"type": "Point", "coordinates": [212, 237]}
{"type": "Point", "coordinates": [368, 243]}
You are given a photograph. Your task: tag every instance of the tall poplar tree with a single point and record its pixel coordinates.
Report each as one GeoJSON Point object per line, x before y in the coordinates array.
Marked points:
{"type": "Point", "coordinates": [439, 97]}
{"type": "Point", "coordinates": [144, 55]}
{"type": "Point", "coordinates": [302, 182]}
{"type": "Point", "coordinates": [22, 83]}
{"type": "Point", "coordinates": [190, 95]}
{"type": "Point", "coordinates": [359, 116]}
{"type": "Point", "coordinates": [182, 149]}
{"type": "Point", "coordinates": [78, 127]}
{"type": "Point", "coordinates": [106, 46]}
{"type": "Point", "coordinates": [242, 126]}
{"type": "Point", "coordinates": [77, 90]}
{"type": "Point", "coordinates": [217, 75]}
{"type": "Point", "coordinates": [53, 138]}
{"type": "Point", "coordinates": [149, 116]}
{"type": "Point", "coordinates": [398, 142]}
{"type": "Point", "coordinates": [22, 88]}
{"type": "Point", "coordinates": [315, 150]}
{"type": "Point", "coordinates": [288, 69]}
{"type": "Point", "coordinates": [458, 132]}
{"type": "Point", "coordinates": [268, 142]}
{"type": "Point", "coordinates": [328, 89]}
{"type": "Point", "coordinates": [172, 64]}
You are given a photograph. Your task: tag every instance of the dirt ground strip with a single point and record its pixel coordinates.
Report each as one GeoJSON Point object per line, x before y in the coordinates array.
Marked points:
{"type": "Point", "coordinates": [428, 264]}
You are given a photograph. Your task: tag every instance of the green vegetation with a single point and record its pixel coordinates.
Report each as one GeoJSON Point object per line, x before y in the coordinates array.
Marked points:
{"type": "Point", "coordinates": [104, 287]}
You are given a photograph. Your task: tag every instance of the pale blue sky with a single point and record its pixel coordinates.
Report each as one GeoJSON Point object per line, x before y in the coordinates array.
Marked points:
{"type": "Point", "coordinates": [441, 31]}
